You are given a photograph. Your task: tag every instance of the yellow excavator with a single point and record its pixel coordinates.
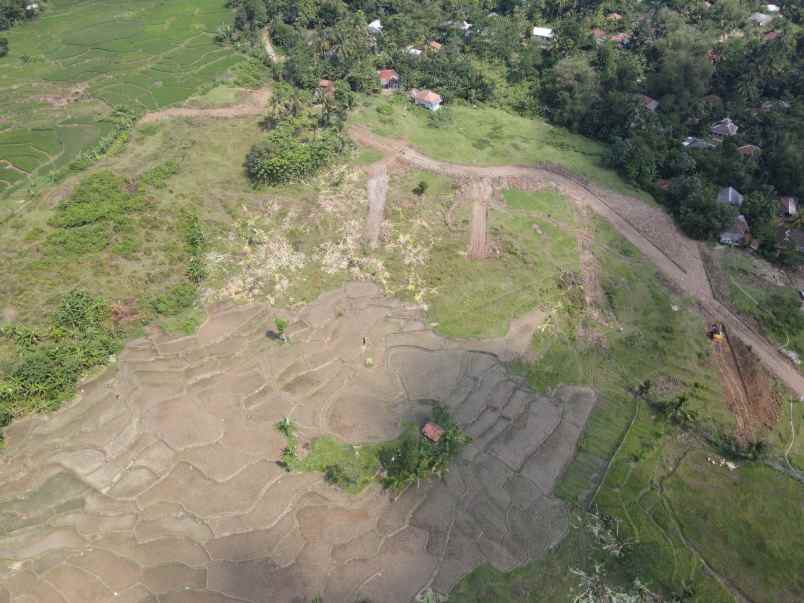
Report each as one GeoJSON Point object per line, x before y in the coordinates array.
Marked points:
{"type": "Point", "coordinates": [716, 332]}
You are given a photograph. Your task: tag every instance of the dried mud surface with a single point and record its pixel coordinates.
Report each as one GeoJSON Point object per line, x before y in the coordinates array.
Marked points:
{"type": "Point", "coordinates": [160, 482]}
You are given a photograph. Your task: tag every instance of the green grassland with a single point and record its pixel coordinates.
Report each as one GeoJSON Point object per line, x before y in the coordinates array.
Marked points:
{"type": "Point", "coordinates": [489, 136]}
{"type": "Point", "coordinates": [657, 484]}
{"type": "Point", "coordinates": [67, 69]}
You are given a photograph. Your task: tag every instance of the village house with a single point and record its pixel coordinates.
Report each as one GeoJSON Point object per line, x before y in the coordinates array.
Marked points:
{"type": "Point", "coordinates": [326, 88]}
{"type": "Point", "coordinates": [749, 150]}
{"type": "Point", "coordinates": [598, 34]}
{"type": "Point", "coordinates": [738, 234]}
{"type": "Point", "coordinates": [650, 103]}
{"type": "Point", "coordinates": [375, 27]}
{"type": "Point", "coordinates": [663, 184]}
{"type": "Point", "coordinates": [427, 99]}
{"type": "Point", "coordinates": [788, 237]}
{"type": "Point", "coordinates": [614, 17]}
{"type": "Point", "coordinates": [788, 207]}
{"type": "Point", "coordinates": [730, 196]}
{"type": "Point", "coordinates": [433, 46]}
{"type": "Point", "coordinates": [771, 36]}
{"type": "Point", "coordinates": [760, 19]}
{"type": "Point", "coordinates": [542, 33]}
{"type": "Point", "coordinates": [389, 79]}
{"type": "Point", "coordinates": [415, 52]}
{"type": "Point", "coordinates": [692, 142]}
{"type": "Point", "coordinates": [772, 8]}
{"type": "Point", "coordinates": [621, 39]}
{"type": "Point", "coordinates": [725, 127]}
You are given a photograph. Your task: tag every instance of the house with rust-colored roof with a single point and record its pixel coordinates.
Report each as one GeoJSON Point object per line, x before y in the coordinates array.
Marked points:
{"type": "Point", "coordinates": [326, 87]}
{"type": "Point", "coordinates": [650, 103]}
{"type": "Point", "coordinates": [389, 79]}
{"type": "Point", "coordinates": [749, 150]}
{"type": "Point", "coordinates": [427, 99]}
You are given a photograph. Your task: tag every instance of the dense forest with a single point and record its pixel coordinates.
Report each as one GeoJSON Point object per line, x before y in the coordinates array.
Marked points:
{"type": "Point", "coordinates": [643, 76]}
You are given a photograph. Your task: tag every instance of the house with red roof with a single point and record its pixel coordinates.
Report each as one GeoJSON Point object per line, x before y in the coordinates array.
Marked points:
{"type": "Point", "coordinates": [427, 99]}
{"type": "Point", "coordinates": [389, 79]}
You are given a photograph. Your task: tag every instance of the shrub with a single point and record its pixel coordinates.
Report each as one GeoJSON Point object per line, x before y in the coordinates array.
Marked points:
{"type": "Point", "coordinates": [195, 243]}
{"type": "Point", "coordinates": [285, 156]}
{"type": "Point", "coordinates": [175, 300]}
{"type": "Point", "coordinates": [420, 188]}
{"type": "Point", "coordinates": [440, 119]}
{"type": "Point", "coordinates": [48, 366]}
{"type": "Point", "coordinates": [157, 177]}
{"type": "Point", "coordinates": [96, 213]}
{"type": "Point", "coordinates": [3, 47]}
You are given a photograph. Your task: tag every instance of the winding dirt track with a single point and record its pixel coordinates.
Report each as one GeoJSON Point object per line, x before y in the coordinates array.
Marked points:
{"type": "Point", "coordinates": [254, 103]}
{"type": "Point", "coordinates": [648, 228]}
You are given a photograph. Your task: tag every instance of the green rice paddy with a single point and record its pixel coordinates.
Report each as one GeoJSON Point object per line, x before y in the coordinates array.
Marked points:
{"type": "Point", "coordinates": [66, 71]}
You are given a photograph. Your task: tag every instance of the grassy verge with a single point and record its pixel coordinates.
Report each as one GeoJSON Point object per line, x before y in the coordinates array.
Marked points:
{"type": "Point", "coordinates": [488, 136]}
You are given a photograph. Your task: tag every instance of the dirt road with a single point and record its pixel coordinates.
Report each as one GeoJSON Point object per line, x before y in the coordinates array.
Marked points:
{"type": "Point", "coordinates": [254, 103]}
{"type": "Point", "coordinates": [648, 228]}
{"type": "Point", "coordinates": [377, 193]}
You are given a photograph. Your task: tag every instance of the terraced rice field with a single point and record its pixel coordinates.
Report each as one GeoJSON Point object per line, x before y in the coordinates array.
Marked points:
{"type": "Point", "coordinates": [66, 71]}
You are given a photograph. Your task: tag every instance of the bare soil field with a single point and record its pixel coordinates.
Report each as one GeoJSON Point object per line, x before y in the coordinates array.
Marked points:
{"type": "Point", "coordinates": [161, 481]}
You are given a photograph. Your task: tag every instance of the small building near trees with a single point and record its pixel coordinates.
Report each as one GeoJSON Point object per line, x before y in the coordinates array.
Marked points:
{"type": "Point", "coordinates": [326, 88]}
{"type": "Point", "coordinates": [730, 196]}
{"type": "Point", "coordinates": [788, 207]}
{"type": "Point", "coordinates": [760, 19]}
{"type": "Point", "coordinates": [375, 27]}
{"type": "Point", "coordinates": [650, 103]}
{"type": "Point", "coordinates": [738, 234]}
{"type": "Point", "coordinates": [725, 127]}
{"type": "Point", "coordinates": [749, 150]}
{"type": "Point", "coordinates": [427, 99]}
{"type": "Point", "coordinates": [389, 79]}
{"type": "Point", "coordinates": [543, 33]}
{"type": "Point", "coordinates": [692, 142]}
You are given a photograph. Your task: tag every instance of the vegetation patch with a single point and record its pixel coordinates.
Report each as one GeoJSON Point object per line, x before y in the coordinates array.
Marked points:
{"type": "Point", "coordinates": [49, 362]}
{"type": "Point", "coordinates": [410, 459]}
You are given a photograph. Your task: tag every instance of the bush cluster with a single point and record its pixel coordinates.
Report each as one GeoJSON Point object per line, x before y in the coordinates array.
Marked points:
{"type": "Point", "coordinates": [286, 156]}
{"type": "Point", "coordinates": [414, 458]}
{"type": "Point", "coordinates": [50, 362]}
{"type": "Point", "coordinates": [196, 244]}
{"type": "Point", "coordinates": [97, 214]}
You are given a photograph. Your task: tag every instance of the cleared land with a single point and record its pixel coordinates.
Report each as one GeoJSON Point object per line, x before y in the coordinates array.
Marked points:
{"type": "Point", "coordinates": [162, 479]}
{"type": "Point", "coordinates": [68, 69]}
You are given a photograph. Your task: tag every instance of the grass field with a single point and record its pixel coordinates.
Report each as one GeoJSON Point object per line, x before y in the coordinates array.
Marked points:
{"type": "Point", "coordinates": [489, 136]}
{"type": "Point", "coordinates": [66, 70]}
{"type": "Point", "coordinates": [667, 499]}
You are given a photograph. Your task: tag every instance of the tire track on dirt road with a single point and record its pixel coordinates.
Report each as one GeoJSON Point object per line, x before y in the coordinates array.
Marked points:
{"type": "Point", "coordinates": [690, 278]}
